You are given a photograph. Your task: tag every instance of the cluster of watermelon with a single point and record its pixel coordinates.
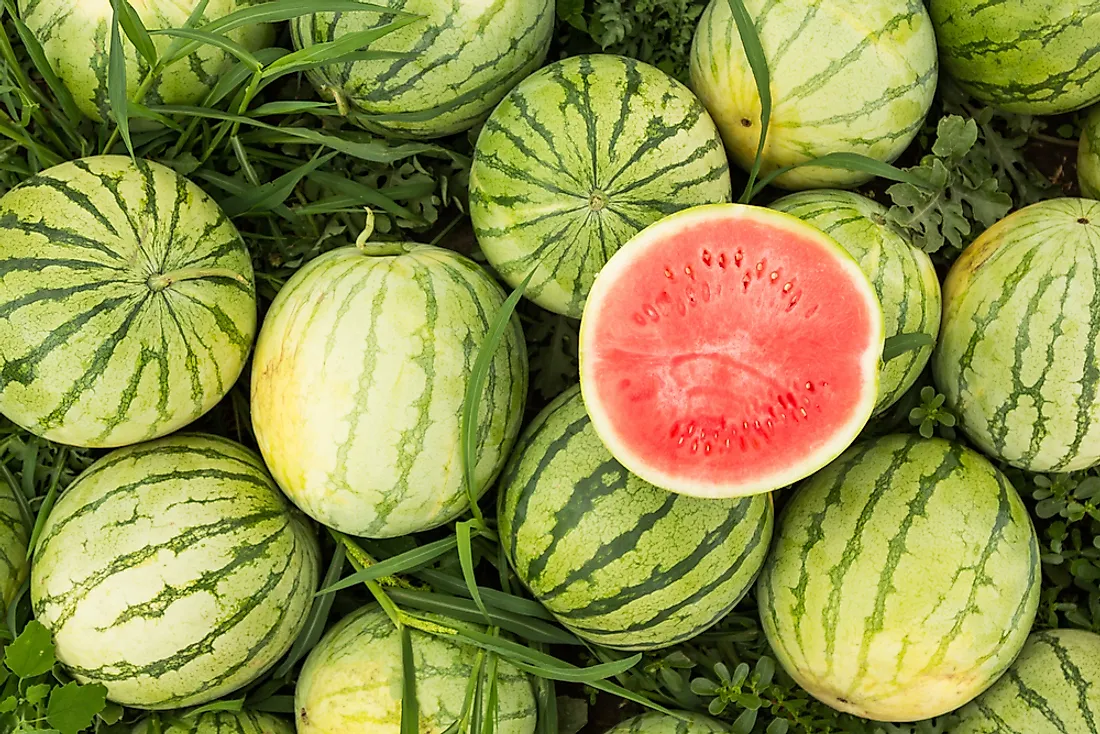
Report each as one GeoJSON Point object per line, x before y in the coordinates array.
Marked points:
{"type": "Point", "coordinates": [727, 351]}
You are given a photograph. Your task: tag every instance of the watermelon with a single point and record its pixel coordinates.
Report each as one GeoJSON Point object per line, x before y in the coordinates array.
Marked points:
{"type": "Point", "coordinates": [1035, 57]}
{"type": "Point", "coordinates": [618, 561]}
{"type": "Point", "coordinates": [682, 723]}
{"type": "Point", "coordinates": [869, 608]}
{"type": "Point", "coordinates": [127, 302]}
{"type": "Point", "coordinates": [76, 38]}
{"type": "Point", "coordinates": [1052, 688]}
{"type": "Point", "coordinates": [1088, 156]}
{"type": "Point", "coordinates": [14, 537]}
{"type": "Point", "coordinates": [576, 160]}
{"type": "Point", "coordinates": [217, 722]}
{"type": "Point", "coordinates": [443, 73]}
{"type": "Point", "coordinates": [173, 572]}
{"type": "Point", "coordinates": [1019, 350]}
{"type": "Point", "coordinates": [391, 331]}
{"type": "Point", "coordinates": [852, 76]}
{"type": "Point", "coordinates": [351, 682]}
{"type": "Point", "coordinates": [729, 350]}
{"type": "Point", "coordinates": [903, 276]}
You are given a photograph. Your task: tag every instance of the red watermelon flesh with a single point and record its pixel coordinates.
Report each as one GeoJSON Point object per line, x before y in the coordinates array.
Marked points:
{"type": "Point", "coordinates": [729, 350]}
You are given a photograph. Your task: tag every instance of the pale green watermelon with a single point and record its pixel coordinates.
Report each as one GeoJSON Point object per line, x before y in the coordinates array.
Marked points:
{"type": "Point", "coordinates": [351, 682]}
{"type": "Point", "coordinates": [218, 722]}
{"type": "Point", "coordinates": [682, 723]}
{"type": "Point", "coordinates": [14, 536]}
{"type": "Point", "coordinates": [76, 37]}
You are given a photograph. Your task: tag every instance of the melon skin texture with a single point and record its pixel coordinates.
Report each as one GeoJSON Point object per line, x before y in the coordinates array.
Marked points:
{"type": "Point", "coordinates": [576, 160]}
{"type": "Point", "coordinates": [730, 350]}
{"type": "Point", "coordinates": [1033, 57]}
{"type": "Point", "coordinates": [902, 274]}
{"type": "Point", "coordinates": [460, 59]}
{"type": "Point", "coordinates": [219, 722]}
{"type": "Point", "coordinates": [1088, 156]}
{"type": "Point", "coordinates": [14, 538]}
{"type": "Point", "coordinates": [351, 681]}
{"type": "Point", "coordinates": [174, 572]}
{"type": "Point", "coordinates": [76, 38]}
{"type": "Point", "coordinates": [618, 561]}
{"type": "Point", "coordinates": [846, 76]}
{"type": "Point", "coordinates": [127, 302]}
{"type": "Point", "coordinates": [683, 722]}
{"type": "Point", "coordinates": [1018, 352]}
{"type": "Point", "coordinates": [391, 332]}
{"type": "Point", "coordinates": [903, 581]}
{"type": "Point", "coordinates": [1052, 688]}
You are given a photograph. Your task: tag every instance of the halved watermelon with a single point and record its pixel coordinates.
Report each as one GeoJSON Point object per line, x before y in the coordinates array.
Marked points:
{"type": "Point", "coordinates": [729, 350]}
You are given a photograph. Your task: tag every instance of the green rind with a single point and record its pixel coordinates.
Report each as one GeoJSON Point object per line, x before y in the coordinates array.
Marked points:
{"type": "Point", "coordinates": [1088, 156]}
{"type": "Point", "coordinates": [846, 76]}
{"type": "Point", "coordinates": [352, 681]}
{"type": "Point", "coordinates": [577, 159]}
{"type": "Point", "coordinates": [456, 62]}
{"type": "Point", "coordinates": [618, 561]}
{"type": "Point", "coordinates": [218, 722]}
{"type": "Point", "coordinates": [393, 339]}
{"type": "Point", "coordinates": [76, 38]}
{"type": "Point", "coordinates": [683, 723]}
{"type": "Point", "coordinates": [903, 581]}
{"type": "Point", "coordinates": [90, 353]}
{"type": "Point", "coordinates": [1052, 688]}
{"type": "Point", "coordinates": [1019, 350]}
{"type": "Point", "coordinates": [173, 572]}
{"type": "Point", "coordinates": [903, 275]}
{"type": "Point", "coordinates": [14, 537]}
{"type": "Point", "coordinates": [1036, 57]}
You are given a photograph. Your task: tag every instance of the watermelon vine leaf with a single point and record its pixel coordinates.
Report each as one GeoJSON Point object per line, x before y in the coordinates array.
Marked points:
{"type": "Point", "coordinates": [31, 653]}
{"type": "Point", "coordinates": [73, 707]}
{"type": "Point", "coordinates": [758, 62]}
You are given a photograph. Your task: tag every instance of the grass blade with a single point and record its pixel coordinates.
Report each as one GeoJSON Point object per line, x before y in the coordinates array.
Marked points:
{"type": "Point", "coordinates": [534, 630]}
{"type": "Point", "coordinates": [116, 80]}
{"type": "Point", "coordinates": [410, 710]}
{"type": "Point", "coordinates": [38, 56]}
{"type": "Point", "coordinates": [848, 162]}
{"type": "Point", "coordinates": [48, 502]}
{"type": "Point", "coordinates": [331, 51]}
{"type": "Point", "coordinates": [318, 616]}
{"type": "Point", "coordinates": [899, 344]}
{"type": "Point", "coordinates": [758, 62]}
{"type": "Point", "coordinates": [496, 599]}
{"type": "Point", "coordinates": [273, 193]}
{"type": "Point", "coordinates": [350, 58]}
{"type": "Point", "coordinates": [466, 561]}
{"type": "Point", "coordinates": [214, 39]}
{"type": "Point", "coordinates": [135, 30]}
{"type": "Point", "coordinates": [408, 561]}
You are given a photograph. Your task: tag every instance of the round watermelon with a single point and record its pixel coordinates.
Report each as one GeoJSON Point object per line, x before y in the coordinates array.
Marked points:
{"type": "Point", "coordinates": [127, 302]}
{"type": "Point", "coordinates": [217, 722]}
{"type": "Point", "coordinates": [1052, 688]}
{"type": "Point", "coordinates": [903, 581]}
{"type": "Point", "coordinates": [853, 76]}
{"type": "Point", "coordinates": [1036, 57]}
{"type": "Point", "coordinates": [391, 332]}
{"type": "Point", "coordinates": [444, 72]}
{"type": "Point", "coordinates": [682, 723]}
{"type": "Point", "coordinates": [730, 350]}
{"type": "Point", "coordinates": [351, 682]}
{"type": "Point", "coordinates": [173, 572]}
{"type": "Point", "coordinates": [903, 275]}
{"type": "Point", "coordinates": [618, 561]}
{"type": "Point", "coordinates": [14, 537]}
{"type": "Point", "coordinates": [1088, 156]}
{"type": "Point", "coordinates": [576, 160]}
{"type": "Point", "coordinates": [76, 38]}
{"type": "Point", "coordinates": [1019, 351]}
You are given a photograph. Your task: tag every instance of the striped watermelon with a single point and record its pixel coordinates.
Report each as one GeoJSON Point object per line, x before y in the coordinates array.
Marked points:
{"type": "Point", "coordinates": [14, 537]}
{"type": "Point", "coordinates": [76, 37]}
{"type": "Point", "coordinates": [618, 561]}
{"type": "Point", "coordinates": [391, 332]}
{"type": "Point", "coordinates": [217, 722]}
{"type": "Point", "coordinates": [682, 723]}
{"type": "Point", "coordinates": [1052, 688]}
{"type": "Point", "coordinates": [127, 302]}
{"type": "Point", "coordinates": [1088, 156]}
{"type": "Point", "coordinates": [580, 157]}
{"type": "Point", "coordinates": [173, 572]}
{"type": "Point", "coordinates": [904, 579]}
{"type": "Point", "coordinates": [1019, 351]}
{"type": "Point", "coordinates": [846, 76]}
{"type": "Point", "coordinates": [1037, 57]}
{"type": "Point", "coordinates": [452, 66]}
{"type": "Point", "coordinates": [903, 275]}
{"type": "Point", "coordinates": [351, 682]}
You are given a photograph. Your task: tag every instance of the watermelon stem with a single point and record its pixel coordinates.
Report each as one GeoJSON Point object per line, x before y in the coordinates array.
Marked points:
{"type": "Point", "coordinates": [161, 281]}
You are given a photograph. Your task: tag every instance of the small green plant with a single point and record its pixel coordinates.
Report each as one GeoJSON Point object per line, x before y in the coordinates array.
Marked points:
{"type": "Point", "coordinates": [932, 416]}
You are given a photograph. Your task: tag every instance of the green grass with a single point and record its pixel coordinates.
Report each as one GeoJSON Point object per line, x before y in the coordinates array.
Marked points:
{"type": "Point", "coordinates": [298, 181]}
